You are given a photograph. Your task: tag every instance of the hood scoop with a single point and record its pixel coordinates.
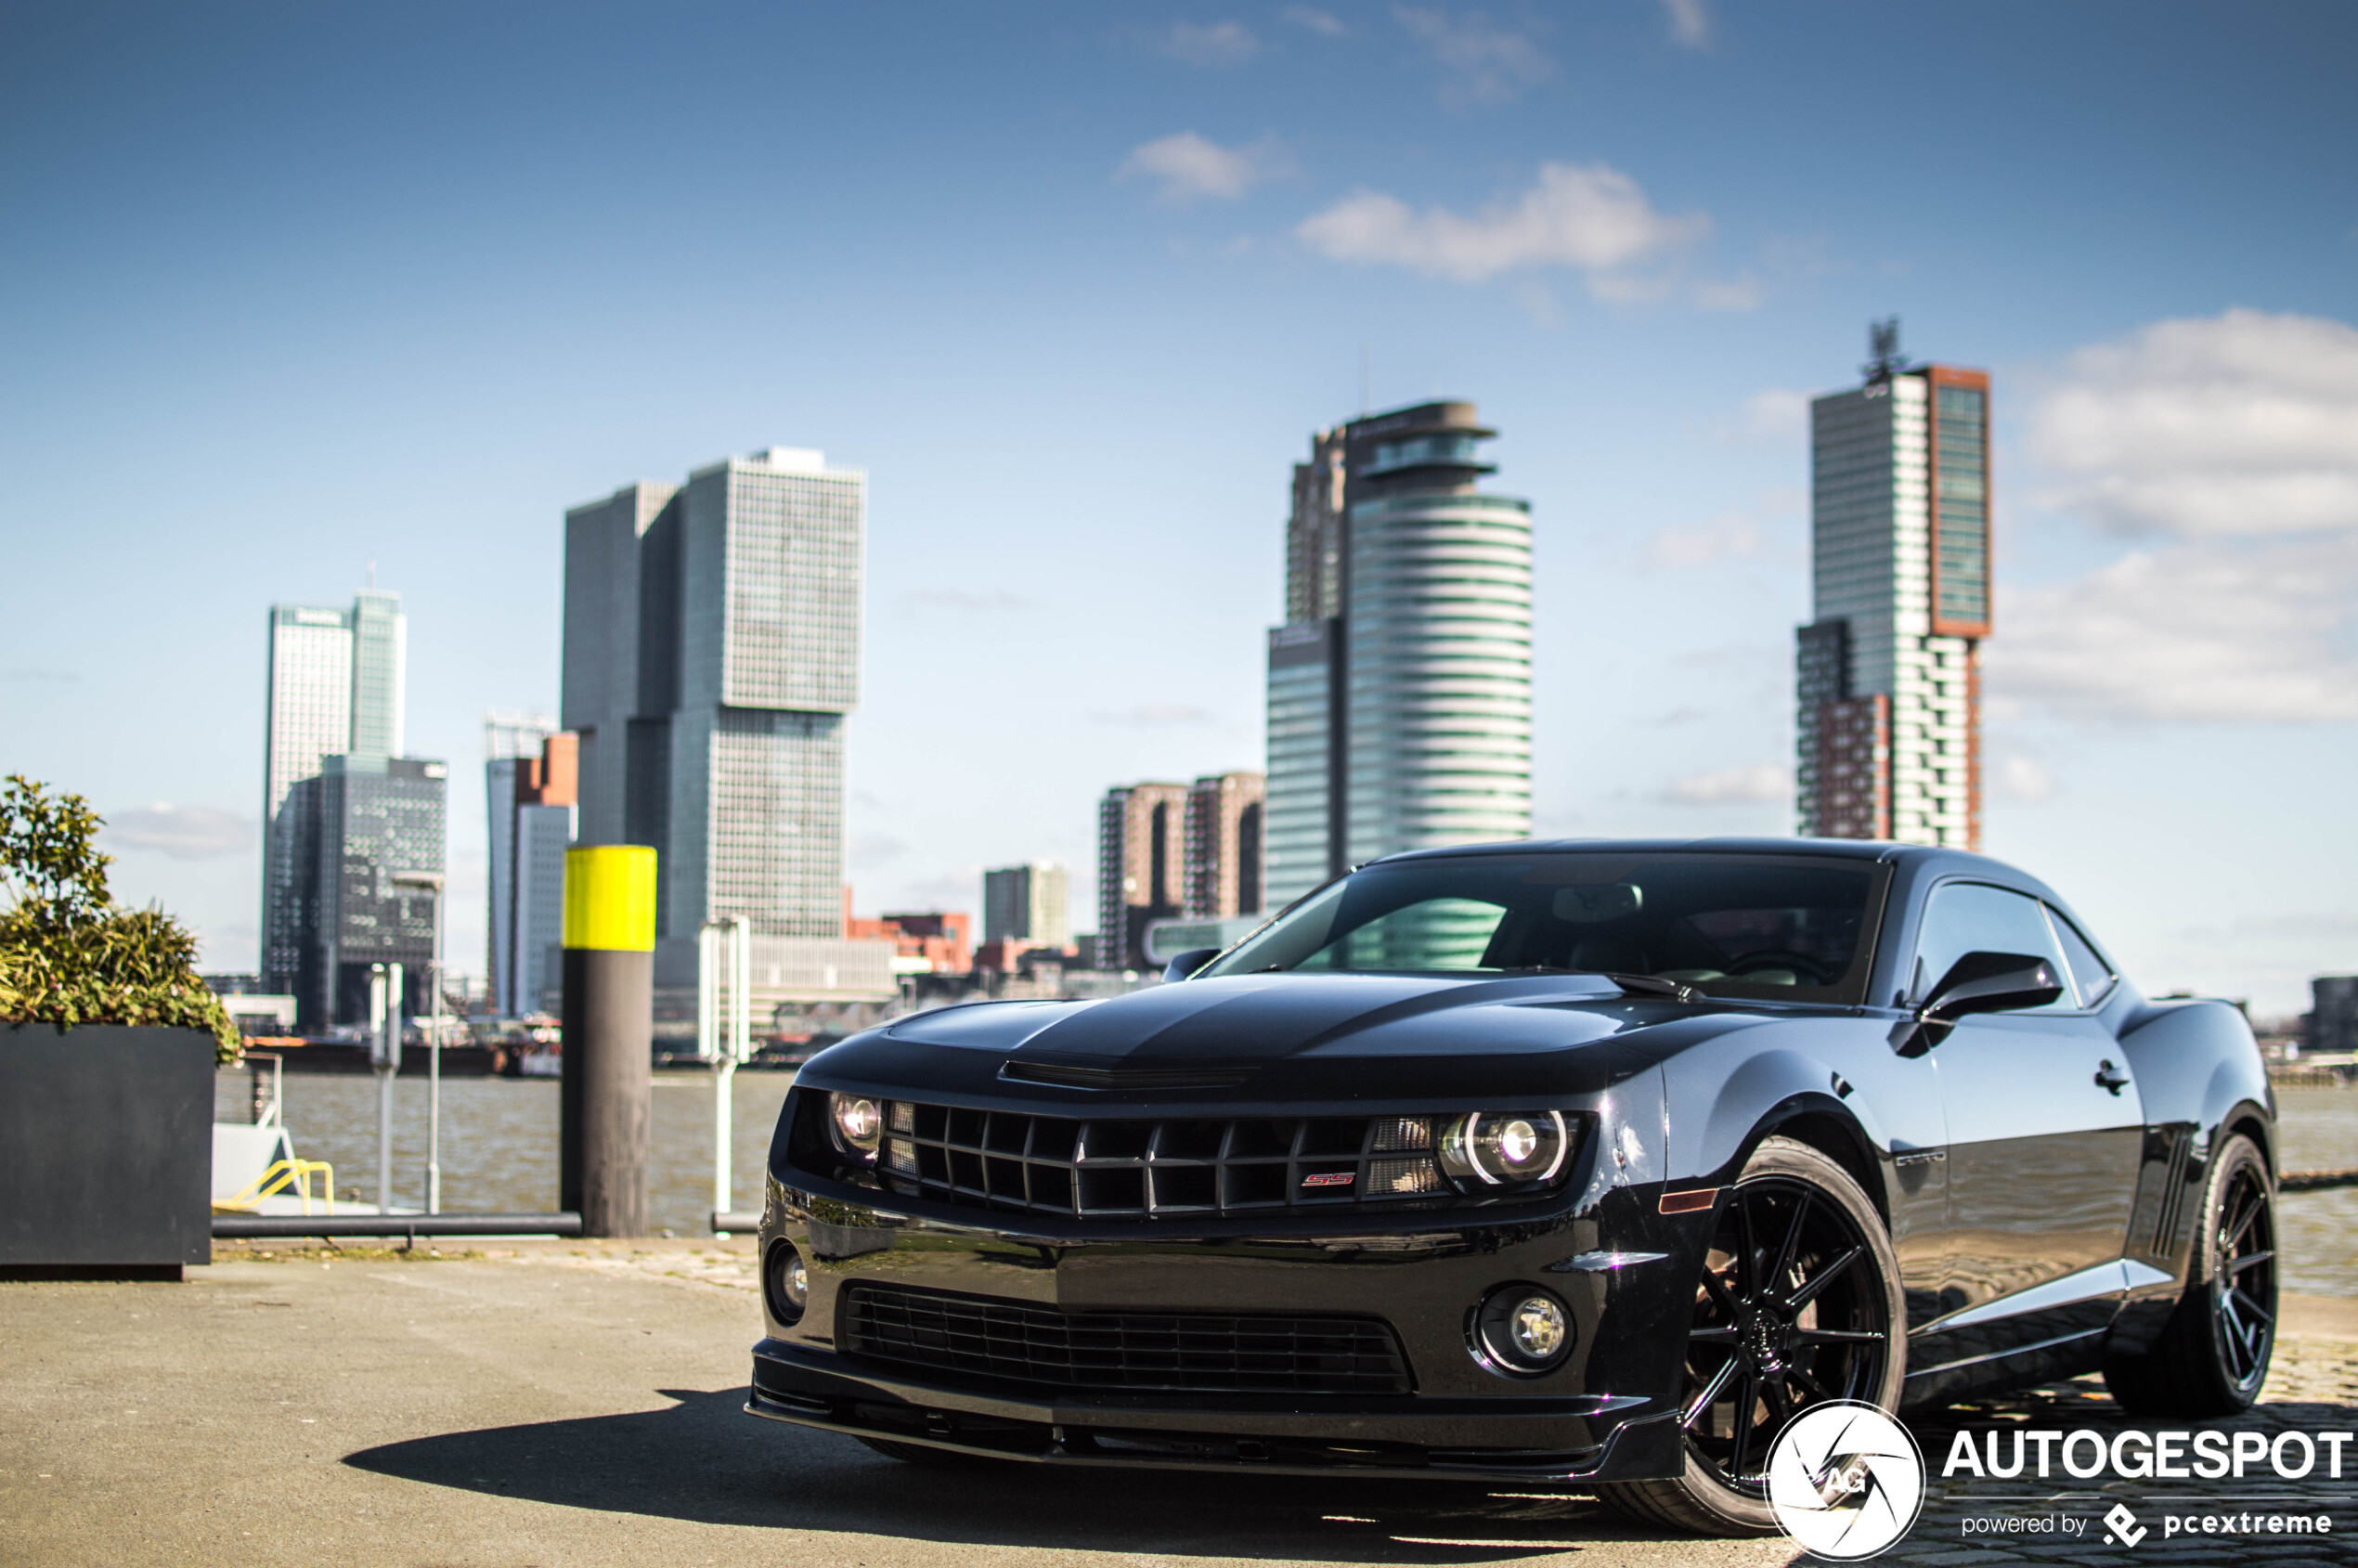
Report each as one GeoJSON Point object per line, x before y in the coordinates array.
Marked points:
{"type": "Point", "coordinates": [1095, 1073]}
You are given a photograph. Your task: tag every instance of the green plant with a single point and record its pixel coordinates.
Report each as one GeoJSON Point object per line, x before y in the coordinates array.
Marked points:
{"type": "Point", "coordinates": [68, 953]}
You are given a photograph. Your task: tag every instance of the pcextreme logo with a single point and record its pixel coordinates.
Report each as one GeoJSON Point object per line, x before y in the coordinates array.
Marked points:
{"type": "Point", "coordinates": [1846, 1481]}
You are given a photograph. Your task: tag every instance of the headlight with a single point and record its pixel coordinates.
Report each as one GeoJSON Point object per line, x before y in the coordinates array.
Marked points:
{"type": "Point", "coordinates": [1493, 1148]}
{"type": "Point", "coordinates": [858, 1123]}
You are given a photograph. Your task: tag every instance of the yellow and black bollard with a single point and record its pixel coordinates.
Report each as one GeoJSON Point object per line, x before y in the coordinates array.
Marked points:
{"type": "Point", "coordinates": [609, 1036]}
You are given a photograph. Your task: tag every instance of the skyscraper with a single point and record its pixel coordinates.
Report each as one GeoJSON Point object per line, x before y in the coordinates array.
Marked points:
{"type": "Point", "coordinates": [1400, 687]}
{"type": "Point", "coordinates": [1222, 874]}
{"type": "Point", "coordinates": [335, 689]}
{"type": "Point", "coordinates": [1028, 903]}
{"type": "Point", "coordinates": [1888, 672]}
{"type": "Point", "coordinates": [711, 651]}
{"type": "Point", "coordinates": [1141, 855]}
{"type": "Point", "coordinates": [510, 740]}
{"type": "Point", "coordinates": [532, 800]}
{"type": "Point", "coordinates": [365, 817]}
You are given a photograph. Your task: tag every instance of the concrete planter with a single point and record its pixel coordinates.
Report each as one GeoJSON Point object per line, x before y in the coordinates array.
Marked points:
{"type": "Point", "coordinates": [106, 1149]}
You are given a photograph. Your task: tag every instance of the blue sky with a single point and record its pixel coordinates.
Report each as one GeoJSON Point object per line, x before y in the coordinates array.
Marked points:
{"type": "Point", "coordinates": [286, 290]}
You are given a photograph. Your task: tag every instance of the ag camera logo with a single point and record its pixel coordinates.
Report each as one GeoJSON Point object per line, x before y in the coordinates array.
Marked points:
{"type": "Point", "coordinates": [1846, 1481]}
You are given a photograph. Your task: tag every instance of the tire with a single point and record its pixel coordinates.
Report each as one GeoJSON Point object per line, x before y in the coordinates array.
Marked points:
{"type": "Point", "coordinates": [1754, 1365]}
{"type": "Point", "coordinates": [932, 1458]}
{"type": "Point", "coordinates": [2212, 1357]}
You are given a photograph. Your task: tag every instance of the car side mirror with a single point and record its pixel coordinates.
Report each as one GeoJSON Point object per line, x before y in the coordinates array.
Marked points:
{"type": "Point", "coordinates": [1187, 962]}
{"type": "Point", "coordinates": [1993, 982]}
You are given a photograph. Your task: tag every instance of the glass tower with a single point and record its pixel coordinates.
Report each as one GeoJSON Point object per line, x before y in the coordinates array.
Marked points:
{"type": "Point", "coordinates": [1400, 689]}
{"type": "Point", "coordinates": [1888, 672]}
{"type": "Point", "coordinates": [374, 816]}
{"type": "Point", "coordinates": [1029, 903]}
{"type": "Point", "coordinates": [335, 689]}
{"type": "Point", "coordinates": [711, 652]}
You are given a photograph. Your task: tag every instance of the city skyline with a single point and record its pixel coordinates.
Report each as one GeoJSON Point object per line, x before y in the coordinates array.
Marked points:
{"type": "Point", "coordinates": [1076, 324]}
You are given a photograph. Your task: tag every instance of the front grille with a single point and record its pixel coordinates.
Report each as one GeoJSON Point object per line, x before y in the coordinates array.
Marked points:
{"type": "Point", "coordinates": [1188, 1352]}
{"type": "Point", "coordinates": [1098, 1167]}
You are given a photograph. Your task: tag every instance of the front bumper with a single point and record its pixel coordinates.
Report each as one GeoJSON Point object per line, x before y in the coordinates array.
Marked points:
{"type": "Point", "coordinates": [1608, 1412]}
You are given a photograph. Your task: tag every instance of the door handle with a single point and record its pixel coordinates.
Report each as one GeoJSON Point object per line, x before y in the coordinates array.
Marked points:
{"type": "Point", "coordinates": [2110, 1076]}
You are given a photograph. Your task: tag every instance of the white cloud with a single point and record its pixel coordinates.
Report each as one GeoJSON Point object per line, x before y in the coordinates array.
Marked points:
{"type": "Point", "coordinates": [1775, 412]}
{"type": "Point", "coordinates": [2235, 438]}
{"type": "Point", "coordinates": [1736, 293]}
{"type": "Point", "coordinates": [1311, 19]}
{"type": "Point", "coordinates": [1482, 62]}
{"type": "Point", "coordinates": [1156, 713]}
{"type": "Point", "coordinates": [867, 850]}
{"type": "Point", "coordinates": [1595, 219]}
{"type": "Point", "coordinates": [1761, 782]}
{"type": "Point", "coordinates": [185, 833]}
{"type": "Point", "coordinates": [1732, 536]}
{"type": "Point", "coordinates": [2243, 423]}
{"type": "Point", "coordinates": [961, 599]}
{"type": "Point", "coordinates": [1189, 166]}
{"type": "Point", "coordinates": [2022, 778]}
{"type": "Point", "coordinates": [1220, 43]}
{"type": "Point", "coordinates": [2241, 633]}
{"type": "Point", "coordinates": [1689, 24]}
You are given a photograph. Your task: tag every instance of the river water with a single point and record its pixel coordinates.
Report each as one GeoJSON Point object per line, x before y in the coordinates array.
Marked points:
{"type": "Point", "coordinates": [499, 1151]}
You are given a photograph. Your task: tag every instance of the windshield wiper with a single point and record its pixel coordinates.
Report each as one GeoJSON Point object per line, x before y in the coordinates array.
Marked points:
{"type": "Point", "coordinates": [1631, 985]}
{"type": "Point", "coordinates": [1654, 985]}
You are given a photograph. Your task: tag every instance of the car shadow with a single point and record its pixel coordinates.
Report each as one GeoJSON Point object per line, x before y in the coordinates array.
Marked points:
{"type": "Point", "coordinates": [701, 1458]}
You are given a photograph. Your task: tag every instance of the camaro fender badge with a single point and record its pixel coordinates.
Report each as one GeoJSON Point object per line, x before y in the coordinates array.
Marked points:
{"type": "Point", "coordinates": [1328, 1178]}
{"type": "Point", "coordinates": [1918, 1156]}
{"type": "Point", "coordinates": [1689, 1202]}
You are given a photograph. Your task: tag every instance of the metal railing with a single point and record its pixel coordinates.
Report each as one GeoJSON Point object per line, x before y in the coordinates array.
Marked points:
{"type": "Point", "coordinates": [280, 1176]}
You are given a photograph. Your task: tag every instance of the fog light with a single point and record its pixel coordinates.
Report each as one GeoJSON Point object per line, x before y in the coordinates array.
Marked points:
{"type": "Point", "coordinates": [1522, 1331]}
{"type": "Point", "coordinates": [785, 1282]}
{"type": "Point", "coordinates": [1538, 1327]}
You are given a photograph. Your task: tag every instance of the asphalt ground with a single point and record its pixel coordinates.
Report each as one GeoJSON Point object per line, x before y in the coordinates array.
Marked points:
{"type": "Point", "coordinates": [580, 1403]}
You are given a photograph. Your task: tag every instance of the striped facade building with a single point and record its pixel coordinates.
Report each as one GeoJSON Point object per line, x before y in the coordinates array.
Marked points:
{"type": "Point", "coordinates": [1399, 692]}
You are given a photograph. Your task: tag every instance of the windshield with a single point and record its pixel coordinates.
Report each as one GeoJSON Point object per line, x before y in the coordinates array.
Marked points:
{"type": "Point", "coordinates": [1739, 925]}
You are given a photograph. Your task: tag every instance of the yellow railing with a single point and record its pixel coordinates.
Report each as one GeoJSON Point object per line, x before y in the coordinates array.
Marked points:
{"type": "Point", "coordinates": [296, 1173]}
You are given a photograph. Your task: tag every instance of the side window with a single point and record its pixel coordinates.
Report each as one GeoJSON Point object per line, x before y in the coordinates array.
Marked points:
{"type": "Point", "coordinates": [1964, 917]}
{"type": "Point", "coordinates": [2089, 971]}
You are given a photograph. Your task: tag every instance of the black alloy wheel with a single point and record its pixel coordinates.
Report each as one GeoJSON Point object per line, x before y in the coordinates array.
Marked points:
{"type": "Point", "coordinates": [1787, 1316]}
{"type": "Point", "coordinates": [2212, 1356]}
{"type": "Point", "coordinates": [2243, 1277]}
{"type": "Point", "coordinates": [1798, 1303]}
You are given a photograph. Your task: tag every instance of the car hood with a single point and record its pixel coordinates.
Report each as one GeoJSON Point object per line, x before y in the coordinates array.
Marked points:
{"type": "Point", "coordinates": [1326, 1036]}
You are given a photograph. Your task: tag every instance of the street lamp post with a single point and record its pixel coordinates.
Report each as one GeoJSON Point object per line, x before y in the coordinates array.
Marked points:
{"type": "Point", "coordinates": [431, 882]}
{"type": "Point", "coordinates": [385, 1055]}
{"type": "Point", "coordinates": [725, 1044]}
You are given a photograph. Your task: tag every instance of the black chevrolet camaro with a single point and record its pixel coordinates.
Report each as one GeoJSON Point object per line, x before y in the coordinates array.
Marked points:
{"type": "Point", "coordinates": [1589, 1163]}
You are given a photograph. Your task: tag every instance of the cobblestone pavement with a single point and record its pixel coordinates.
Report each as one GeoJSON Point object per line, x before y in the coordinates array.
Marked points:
{"type": "Point", "coordinates": [2312, 1387]}
{"type": "Point", "coordinates": [580, 1403]}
